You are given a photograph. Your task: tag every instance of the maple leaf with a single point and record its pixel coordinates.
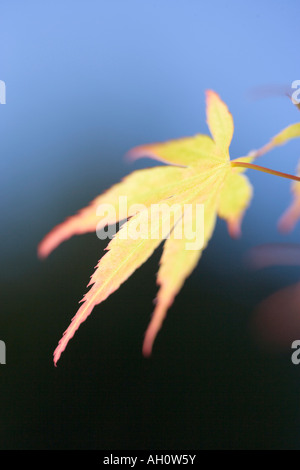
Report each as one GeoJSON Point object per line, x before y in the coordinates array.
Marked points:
{"type": "Point", "coordinates": [277, 316]}
{"type": "Point", "coordinates": [198, 172]}
{"type": "Point", "coordinates": [292, 214]}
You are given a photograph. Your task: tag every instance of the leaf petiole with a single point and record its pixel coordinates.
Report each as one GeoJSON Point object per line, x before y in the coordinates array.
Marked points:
{"type": "Point", "coordinates": [251, 166]}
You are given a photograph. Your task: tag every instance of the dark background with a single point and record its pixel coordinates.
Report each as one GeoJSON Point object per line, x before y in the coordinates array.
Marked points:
{"type": "Point", "coordinates": [86, 81]}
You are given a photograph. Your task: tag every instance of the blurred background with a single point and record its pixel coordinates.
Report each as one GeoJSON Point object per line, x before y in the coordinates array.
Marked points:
{"type": "Point", "coordinates": [85, 82]}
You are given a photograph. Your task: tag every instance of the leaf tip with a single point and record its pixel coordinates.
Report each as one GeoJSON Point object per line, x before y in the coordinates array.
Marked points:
{"type": "Point", "coordinates": [131, 155]}
{"type": "Point", "coordinates": [42, 251]}
{"type": "Point", "coordinates": [150, 336]}
{"type": "Point", "coordinates": [140, 152]}
{"type": "Point", "coordinates": [56, 356]}
{"type": "Point", "coordinates": [234, 228]}
{"type": "Point", "coordinates": [210, 95]}
{"type": "Point", "coordinates": [286, 224]}
{"type": "Point", "coordinates": [48, 244]}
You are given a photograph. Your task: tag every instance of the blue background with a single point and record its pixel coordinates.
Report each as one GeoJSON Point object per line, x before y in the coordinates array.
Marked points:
{"type": "Point", "coordinates": [86, 81]}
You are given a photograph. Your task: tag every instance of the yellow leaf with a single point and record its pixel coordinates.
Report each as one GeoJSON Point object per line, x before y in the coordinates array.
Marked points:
{"type": "Point", "coordinates": [137, 187]}
{"type": "Point", "coordinates": [127, 253]}
{"type": "Point", "coordinates": [188, 151]}
{"type": "Point", "coordinates": [235, 197]}
{"type": "Point", "coordinates": [283, 137]}
{"type": "Point", "coordinates": [163, 204]}
{"type": "Point", "coordinates": [292, 214]}
{"type": "Point", "coordinates": [290, 132]}
{"type": "Point", "coordinates": [177, 263]}
{"type": "Point", "coordinates": [219, 121]}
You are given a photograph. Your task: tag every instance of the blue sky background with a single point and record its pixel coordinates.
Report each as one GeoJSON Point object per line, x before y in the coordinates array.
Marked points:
{"type": "Point", "coordinates": [86, 81]}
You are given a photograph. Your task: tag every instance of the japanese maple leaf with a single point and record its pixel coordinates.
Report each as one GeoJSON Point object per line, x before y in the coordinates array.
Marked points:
{"type": "Point", "coordinates": [292, 214]}
{"type": "Point", "coordinates": [198, 171]}
{"type": "Point", "coordinates": [277, 316]}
